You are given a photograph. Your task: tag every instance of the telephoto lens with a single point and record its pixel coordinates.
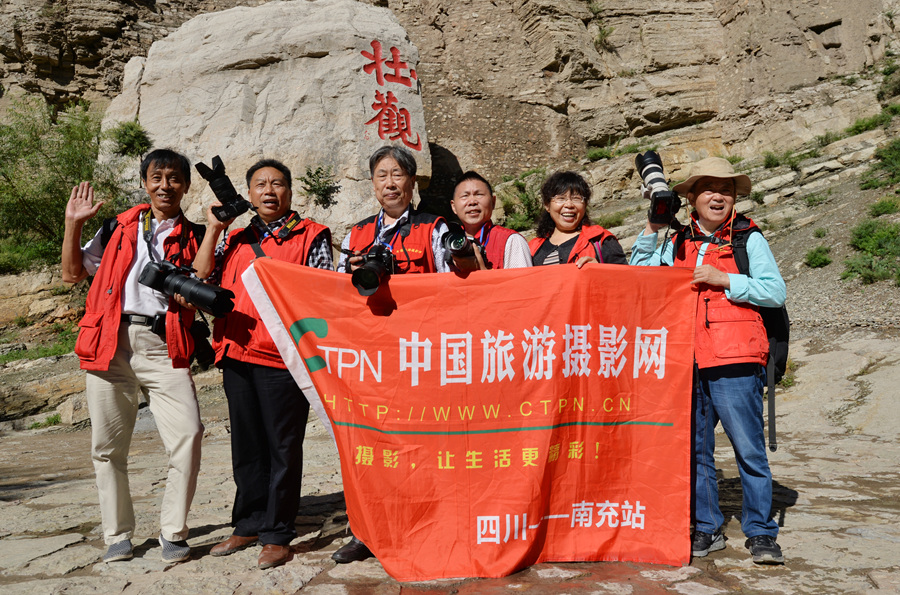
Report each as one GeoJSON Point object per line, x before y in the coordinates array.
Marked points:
{"type": "Point", "coordinates": [663, 202]}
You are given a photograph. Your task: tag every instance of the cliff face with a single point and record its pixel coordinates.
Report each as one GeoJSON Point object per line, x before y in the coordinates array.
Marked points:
{"type": "Point", "coordinates": [513, 84]}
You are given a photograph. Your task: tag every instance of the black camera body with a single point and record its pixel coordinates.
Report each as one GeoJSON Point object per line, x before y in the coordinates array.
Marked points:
{"type": "Point", "coordinates": [459, 248]}
{"type": "Point", "coordinates": [378, 264]}
{"type": "Point", "coordinates": [233, 204]}
{"type": "Point", "coordinates": [664, 203]}
{"type": "Point", "coordinates": [171, 279]}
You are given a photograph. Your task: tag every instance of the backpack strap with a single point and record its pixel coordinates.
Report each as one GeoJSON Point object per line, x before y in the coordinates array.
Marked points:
{"type": "Point", "coordinates": [106, 230]}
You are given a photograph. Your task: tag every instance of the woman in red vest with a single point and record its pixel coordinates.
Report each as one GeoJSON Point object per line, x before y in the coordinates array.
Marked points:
{"type": "Point", "coordinates": [565, 233]}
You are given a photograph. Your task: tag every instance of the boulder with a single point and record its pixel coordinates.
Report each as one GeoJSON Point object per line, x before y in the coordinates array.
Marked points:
{"type": "Point", "coordinates": [320, 83]}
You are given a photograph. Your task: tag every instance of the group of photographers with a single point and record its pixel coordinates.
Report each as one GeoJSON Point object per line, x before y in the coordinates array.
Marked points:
{"type": "Point", "coordinates": [136, 333]}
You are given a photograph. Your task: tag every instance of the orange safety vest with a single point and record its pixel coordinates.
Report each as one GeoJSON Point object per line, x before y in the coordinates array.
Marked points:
{"type": "Point", "coordinates": [241, 335]}
{"type": "Point", "coordinates": [584, 245]}
{"type": "Point", "coordinates": [98, 337]}
{"type": "Point", "coordinates": [726, 332]}
{"type": "Point", "coordinates": [495, 251]}
{"type": "Point", "coordinates": [411, 245]}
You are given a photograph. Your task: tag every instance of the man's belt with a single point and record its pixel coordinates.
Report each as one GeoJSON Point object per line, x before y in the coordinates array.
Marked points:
{"type": "Point", "coordinates": [156, 323]}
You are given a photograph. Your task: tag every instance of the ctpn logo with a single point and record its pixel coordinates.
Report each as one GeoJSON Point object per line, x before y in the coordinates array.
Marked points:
{"type": "Point", "coordinates": [319, 328]}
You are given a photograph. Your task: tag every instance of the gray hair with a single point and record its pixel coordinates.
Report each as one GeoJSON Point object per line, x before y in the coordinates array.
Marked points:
{"type": "Point", "coordinates": [402, 156]}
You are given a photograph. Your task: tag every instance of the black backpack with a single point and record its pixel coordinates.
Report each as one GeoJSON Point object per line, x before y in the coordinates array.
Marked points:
{"type": "Point", "coordinates": [778, 324]}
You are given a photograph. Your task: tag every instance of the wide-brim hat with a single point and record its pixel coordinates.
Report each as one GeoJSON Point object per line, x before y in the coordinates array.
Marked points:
{"type": "Point", "coordinates": [714, 167]}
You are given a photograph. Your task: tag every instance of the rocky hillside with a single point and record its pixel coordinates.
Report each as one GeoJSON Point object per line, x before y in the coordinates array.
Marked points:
{"type": "Point", "coordinates": [513, 84]}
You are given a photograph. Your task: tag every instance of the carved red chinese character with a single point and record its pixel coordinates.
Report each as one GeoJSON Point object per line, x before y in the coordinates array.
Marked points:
{"type": "Point", "coordinates": [393, 121]}
{"type": "Point", "coordinates": [378, 64]}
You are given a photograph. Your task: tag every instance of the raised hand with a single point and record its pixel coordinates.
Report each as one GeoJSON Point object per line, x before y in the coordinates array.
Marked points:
{"type": "Point", "coordinates": [81, 205]}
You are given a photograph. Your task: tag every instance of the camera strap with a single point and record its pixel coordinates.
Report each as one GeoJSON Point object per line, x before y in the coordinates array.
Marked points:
{"type": "Point", "coordinates": [147, 233]}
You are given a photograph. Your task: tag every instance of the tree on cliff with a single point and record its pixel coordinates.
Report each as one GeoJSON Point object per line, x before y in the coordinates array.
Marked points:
{"type": "Point", "coordinates": [44, 152]}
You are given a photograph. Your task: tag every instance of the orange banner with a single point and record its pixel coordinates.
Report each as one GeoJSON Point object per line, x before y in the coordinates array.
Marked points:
{"type": "Point", "coordinates": [511, 417]}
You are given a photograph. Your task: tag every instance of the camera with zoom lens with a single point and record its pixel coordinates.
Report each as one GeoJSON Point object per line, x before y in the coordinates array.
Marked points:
{"type": "Point", "coordinates": [664, 203]}
{"type": "Point", "coordinates": [172, 279]}
{"type": "Point", "coordinates": [233, 204]}
{"type": "Point", "coordinates": [377, 266]}
{"type": "Point", "coordinates": [459, 248]}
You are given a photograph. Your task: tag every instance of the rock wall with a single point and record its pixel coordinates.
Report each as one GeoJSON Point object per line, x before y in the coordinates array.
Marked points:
{"type": "Point", "coordinates": [324, 82]}
{"type": "Point", "coordinates": [509, 85]}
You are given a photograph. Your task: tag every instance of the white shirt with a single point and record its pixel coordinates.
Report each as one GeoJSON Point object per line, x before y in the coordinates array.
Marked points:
{"type": "Point", "coordinates": [517, 254]}
{"type": "Point", "coordinates": [136, 297]}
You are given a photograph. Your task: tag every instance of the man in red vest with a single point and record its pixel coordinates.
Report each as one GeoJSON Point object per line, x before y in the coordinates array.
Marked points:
{"type": "Point", "coordinates": [136, 340]}
{"type": "Point", "coordinates": [412, 237]}
{"type": "Point", "coordinates": [473, 202]}
{"type": "Point", "coordinates": [267, 409]}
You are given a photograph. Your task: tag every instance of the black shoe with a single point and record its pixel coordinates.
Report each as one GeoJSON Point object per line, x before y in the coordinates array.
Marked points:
{"type": "Point", "coordinates": [704, 543]}
{"type": "Point", "coordinates": [764, 550]}
{"type": "Point", "coordinates": [353, 551]}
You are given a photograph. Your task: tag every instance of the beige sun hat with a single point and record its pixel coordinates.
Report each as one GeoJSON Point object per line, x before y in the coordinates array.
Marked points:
{"type": "Point", "coordinates": [714, 167]}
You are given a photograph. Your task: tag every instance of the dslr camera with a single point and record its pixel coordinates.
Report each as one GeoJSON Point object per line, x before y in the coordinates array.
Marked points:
{"type": "Point", "coordinates": [459, 248]}
{"type": "Point", "coordinates": [233, 204]}
{"type": "Point", "coordinates": [664, 203]}
{"type": "Point", "coordinates": [172, 279]}
{"type": "Point", "coordinates": [377, 266]}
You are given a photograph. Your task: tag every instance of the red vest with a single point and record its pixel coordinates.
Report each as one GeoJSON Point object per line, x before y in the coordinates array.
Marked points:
{"type": "Point", "coordinates": [241, 335]}
{"type": "Point", "coordinates": [495, 251]}
{"type": "Point", "coordinates": [98, 338]}
{"type": "Point", "coordinates": [411, 246]}
{"type": "Point", "coordinates": [584, 245]}
{"type": "Point", "coordinates": [726, 332]}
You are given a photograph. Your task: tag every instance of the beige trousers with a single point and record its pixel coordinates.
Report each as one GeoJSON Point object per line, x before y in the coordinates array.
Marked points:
{"type": "Point", "coordinates": [142, 365]}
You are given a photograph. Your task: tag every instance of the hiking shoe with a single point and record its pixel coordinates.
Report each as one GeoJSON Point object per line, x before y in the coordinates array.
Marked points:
{"type": "Point", "coordinates": [121, 550]}
{"type": "Point", "coordinates": [704, 543]}
{"type": "Point", "coordinates": [764, 550]}
{"type": "Point", "coordinates": [174, 551]}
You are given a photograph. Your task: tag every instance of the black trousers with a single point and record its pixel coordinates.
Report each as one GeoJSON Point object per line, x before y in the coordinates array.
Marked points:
{"type": "Point", "coordinates": [268, 422]}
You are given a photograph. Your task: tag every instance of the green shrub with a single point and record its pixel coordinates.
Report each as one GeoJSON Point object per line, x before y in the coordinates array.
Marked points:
{"type": "Point", "coordinates": [890, 67]}
{"type": "Point", "coordinates": [612, 220]}
{"type": "Point", "coordinates": [320, 185]}
{"type": "Point", "coordinates": [890, 87]}
{"type": "Point", "coordinates": [599, 153]}
{"type": "Point", "coordinates": [758, 196]}
{"type": "Point", "coordinates": [43, 154]}
{"type": "Point", "coordinates": [601, 42]}
{"type": "Point", "coordinates": [771, 160]}
{"type": "Point", "coordinates": [52, 420]}
{"type": "Point", "coordinates": [790, 372]}
{"type": "Point", "coordinates": [820, 232]}
{"type": "Point", "coordinates": [885, 206]}
{"type": "Point", "coordinates": [814, 200]}
{"type": "Point", "coordinates": [734, 159]}
{"type": "Point", "coordinates": [865, 124]}
{"type": "Point", "coordinates": [829, 137]}
{"type": "Point", "coordinates": [818, 257]}
{"type": "Point", "coordinates": [595, 7]}
{"type": "Point", "coordinates": [130, 139]}
{"type": "Point", "coordinates": [63, 342]}
{"type": "Point", "coordinates": [523, 211]}
{"type": "Point", "coordinates": [886, 170]}
{"type": "Point", "coordinates": [792, 160]}
{"type": "Point", "coordinates": [878, 244]}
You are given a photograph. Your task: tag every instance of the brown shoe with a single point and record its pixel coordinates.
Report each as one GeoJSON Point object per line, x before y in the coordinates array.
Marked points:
{"type": "Point", "coordinates": [274, 555]}
{"type": "Point", "coordinates": [232, 544]}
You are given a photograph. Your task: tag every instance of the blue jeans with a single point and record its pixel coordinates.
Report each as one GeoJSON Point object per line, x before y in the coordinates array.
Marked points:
{"type": "Point", "coordinates": [733, 395]}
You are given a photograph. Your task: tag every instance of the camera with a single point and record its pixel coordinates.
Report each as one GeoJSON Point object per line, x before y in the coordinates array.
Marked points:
{"type": "Point", "coordinates": [459, 248]}
{"type": "Point", "coordinates": [664, 203]}
{"type": "Point", "coordinates": [233, 204]}
{"type": "Point", "coordinates": [377, 266]}
{"type": "Point", "coordinates": [171, 279]}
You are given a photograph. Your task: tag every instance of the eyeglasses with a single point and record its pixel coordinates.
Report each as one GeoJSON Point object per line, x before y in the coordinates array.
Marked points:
{"type": "Point", "coordinates": [563, 199]}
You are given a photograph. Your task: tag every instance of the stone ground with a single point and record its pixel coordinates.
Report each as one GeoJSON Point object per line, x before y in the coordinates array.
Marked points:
{"type": "Point", "coordinates": [837, 500]}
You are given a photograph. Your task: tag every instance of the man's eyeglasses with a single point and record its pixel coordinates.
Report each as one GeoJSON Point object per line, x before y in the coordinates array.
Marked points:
{"type": "Point", "coordinates": [563, 199]}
